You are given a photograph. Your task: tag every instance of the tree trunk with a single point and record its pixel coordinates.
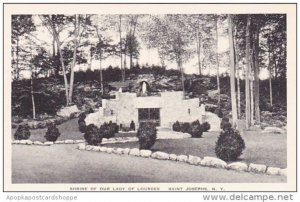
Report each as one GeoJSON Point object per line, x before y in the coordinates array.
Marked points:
{"type": "Point", "coordinates": [270, 75]}
{"type": "Point", "coordinates": [31, 84]}
{"type": "Point", "coordinates": [32, 97]}
{"type": "Point", "coordinates": [101, 76]}
{"type": "Point", "coordinates": [237, 71]}
{"type": "Point", "coordinates": [251, 98]}
{"type": "Point", "coordinates": [232, 73]}
{"type": "Point", "coordinates": [121, 59]}
{"type": "Point", "coordinates": [77, 24]}
{"type": "Point", "coordinates": [238, 95]}
{"type": "Point", "coordinates": [63, 69]}
{"type": "Point", "coordinates": [198, 44]}
{"type": "Point", "coordinates": [17, 60]}
{"type": "Point", "coordinates": [217, 61]}
{"type": "Point", "coordinates": [256, 76]}
{"type": "Point", "coordinates": [247, 72]}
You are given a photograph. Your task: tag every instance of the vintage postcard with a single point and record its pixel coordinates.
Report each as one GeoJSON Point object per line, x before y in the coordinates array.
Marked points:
{"type": "Point", "coordinates": [150, 97]}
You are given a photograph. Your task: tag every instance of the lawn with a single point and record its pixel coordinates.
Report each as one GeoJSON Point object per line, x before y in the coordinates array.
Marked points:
{"type": "Point", "coordinates": [259, 147]}
{"type": "Point", "coordinates": [269, 149]}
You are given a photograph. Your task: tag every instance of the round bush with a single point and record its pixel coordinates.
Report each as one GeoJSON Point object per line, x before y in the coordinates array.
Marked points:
{"type": "Point", "coordinates": [52, 133]}
{"type": "Point", "coordinates": [176, 126]}
{"type": "Point", "coordinates": [196, 129]}
{"type": "Point", "coordinates": [22, 133]}
{"type": "Point", "coordinates": [108, 129]}
{"type": "Point", "coordinates": [230, 145]}
{"type": "Point", "coordinates": [205, 126]}
{"type": "Point", "coordinates": [147, 135]}
{"type": "Point", "coordinates": [93, 135]}
{"type": "Point", "coordinates": [186, 127]}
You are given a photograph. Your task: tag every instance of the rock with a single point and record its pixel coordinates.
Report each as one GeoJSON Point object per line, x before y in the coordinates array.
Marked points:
{"type": "Point", "coordinates": [103, 149]}
{"type": "Point", "coordinates": [145, 153]}
{"type": "Point", "coordinates": [213, 162]}
{"type": "Point", "coordinates": [29, 142]}
{"type": "Point", "coordinates": [79, 141]}
{"type": "Point", "coordinates": [273, 130]}
{"type": "Point", "coordinates": [273, 171]}
{"type": "Point", "coordinates": [257, 168]}
{"type": "Point", "coordinates": [194, 160]}
{"type": "Point", "coordinates": [109, 150]}
{"type": "Point", "coordinates": [67, 111]}
{"type": "Point", "coordinates": [33, 124]}
{"type": "Point", "coordinates": [37, 143]}
{"type": "Point", "coordinates": [119, 151]}
{"type": "Point", "coordinates": [134, 152]}
{"type": "Point", "coordinates": [81, 146]}
{"type": "Point", "coordinates": [182, 158]}
{"type": "Point", "coordinates": [59, 142]}
{"type": "Point", "coordinates": [16, 142]}
{"type": "Point", "coordinates": [238, 166]}
{"type": "Point", "coordinates": [88, 147]}
{"type": "Point", "coordinates": [104, 139]}
{"type": "Point", "coordinates": [173, 157]}
{"type": "Point", "coordinates": [69, 141]}
{"type": "Point", "coordinates": [48, 143]}
{"type": "Point", "coordinates": [126, 151]}
{"type": "Point", "coordinates": [160, 155]}
{"type": "Point", "coordinates": [283, 172]}
{"type": "Point", "coordinates": [213, 120]}
{"type": "Point", "coordinates": [95, 148]}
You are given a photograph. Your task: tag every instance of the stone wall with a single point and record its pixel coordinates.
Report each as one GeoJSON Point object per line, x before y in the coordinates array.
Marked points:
{"type": "Point", "coordinates": [124, 109]}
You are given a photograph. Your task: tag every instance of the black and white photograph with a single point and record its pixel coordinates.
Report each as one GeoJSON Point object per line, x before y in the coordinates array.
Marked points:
{"type": "Point", "coordinates": [150, 97]}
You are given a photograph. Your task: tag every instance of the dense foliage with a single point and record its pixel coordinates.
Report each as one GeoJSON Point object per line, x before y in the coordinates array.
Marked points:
{"type": "Point", "coordinates": [52, 133]}
{"type": "Point", "coordinates": [195, 128]}
{"type": "Point", "coordinates": [22, 133]}
{"type": "Point", "coordinates": [81, 122]}
{"type": "Point", "coordinates": [147, 135]}
{"type": "Point", "coordinates": [109, 129]}
{"type": "Point", "coordinates": [229, 145]}
{"type": "Point", "coordinates": [93, 135]}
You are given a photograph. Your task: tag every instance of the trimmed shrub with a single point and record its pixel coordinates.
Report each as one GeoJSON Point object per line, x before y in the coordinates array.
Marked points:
{"type": "Point", "coordinates": [196, 130]}
{"type": "Point", "coordinates": [205, 126]}
{"type": "Point", "coordinates": [229, 145]}
{"type": "Point", "coordinates": [176, 126]}
{"type": "Point", "coordinates": [185, 127]}
{"type": "Point", "coordinates": [52, 133]}
{"type": "Point", "coordinates": [224, 122]}
{"type": "Point", "coordinates": [109, 129]}
{"type": "Point", "coordinates": [132, 126]}
{"type": "Point", "coordinates": [147, 135]}
{"type": "Point", "coordinates": [22, 133]}
{"type": "Point", "coordinates": [81, 122]}
{"type": "Point", "coordinates": [93, 135]}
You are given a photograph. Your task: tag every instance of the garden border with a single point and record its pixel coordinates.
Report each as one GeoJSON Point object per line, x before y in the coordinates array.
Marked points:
{"type": "Point", "coordinates": [189, 159]}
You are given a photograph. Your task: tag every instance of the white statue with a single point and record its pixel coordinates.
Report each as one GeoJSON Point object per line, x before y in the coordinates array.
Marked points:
{"type": "Point", "coordinates": [144, 88]}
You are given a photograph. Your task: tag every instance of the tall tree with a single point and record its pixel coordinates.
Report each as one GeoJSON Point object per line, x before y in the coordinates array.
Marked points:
{"type": "Point", "coordinates": [21, 24]}
{"type": "Point", "coordinates": [247, 71]}
{"type": "Point", "coordinates": [217, 62]}
{"type": "Point", "coordinates": [232, 72]}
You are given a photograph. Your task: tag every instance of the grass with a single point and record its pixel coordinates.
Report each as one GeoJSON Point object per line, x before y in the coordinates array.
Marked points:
{"type": "Point", "coordinates": [268, 149]}
{"type": "Point", "coordinates": [66, 164]}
